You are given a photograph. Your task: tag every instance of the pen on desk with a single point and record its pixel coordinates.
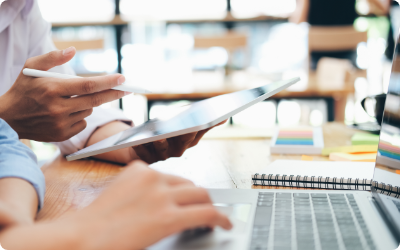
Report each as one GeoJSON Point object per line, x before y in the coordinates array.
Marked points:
{"type": "Point", "coordinates": [123, 87]}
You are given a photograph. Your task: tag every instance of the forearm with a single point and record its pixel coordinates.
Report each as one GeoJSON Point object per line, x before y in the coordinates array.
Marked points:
{"type": "Point", "coordinates": [20, 198]}
{"type": "Point", "coordinates": [383, 6]}
{"type": "Point", "coordinates": [301, 13]}
{"type": "Point", "coordinates": [124, 155]}
{"type": "Point", "coordinates": [41, 236]}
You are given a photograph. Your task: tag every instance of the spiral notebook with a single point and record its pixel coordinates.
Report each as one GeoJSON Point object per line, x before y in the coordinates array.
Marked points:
{"type": "Point", "coordinates": [325, 175]}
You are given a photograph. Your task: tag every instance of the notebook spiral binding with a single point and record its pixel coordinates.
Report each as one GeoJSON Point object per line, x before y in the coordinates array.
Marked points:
{"type": "Point", "coordinates": [324, 183]}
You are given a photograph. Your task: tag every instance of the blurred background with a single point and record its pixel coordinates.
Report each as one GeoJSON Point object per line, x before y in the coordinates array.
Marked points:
{"type": "Point", "coordinates": [189, 50]}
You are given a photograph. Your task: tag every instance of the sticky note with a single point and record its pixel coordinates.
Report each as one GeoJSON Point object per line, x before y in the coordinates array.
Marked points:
{"type": "Point", "coordinates": [364, 139]}
{"type": "Point", "coordinates": [389, 150]}
{"type": "Point", "coordinates": [308, 141]}
{"type": "Point", "coordinates": [295, 137]}
{"type": "Point", "coordinates": [306, 158]}
{"type": "Point", "coordinates": [351, 149]}
{"type": "Point", "coordinates": [368, 157]}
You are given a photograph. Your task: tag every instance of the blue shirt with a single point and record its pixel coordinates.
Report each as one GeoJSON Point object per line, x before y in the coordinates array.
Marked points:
{"type": "Point", "coordinates": [18, 161]}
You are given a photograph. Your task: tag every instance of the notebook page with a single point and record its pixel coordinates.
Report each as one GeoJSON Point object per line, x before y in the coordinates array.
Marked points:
{"type": "Point", "coordinates": [361, 170]}
{"type": "Point", "coordinates": [387, 177]}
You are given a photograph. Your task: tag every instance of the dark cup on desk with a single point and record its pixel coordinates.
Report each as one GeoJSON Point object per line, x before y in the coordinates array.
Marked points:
{"type": "Point", "coordinates": [374, 106]}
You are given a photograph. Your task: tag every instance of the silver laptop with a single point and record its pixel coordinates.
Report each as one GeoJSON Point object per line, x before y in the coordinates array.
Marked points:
{"type": "Point", "coordinates": [191, 118]}
{"type": "Point", "coordinates": [310, 219]}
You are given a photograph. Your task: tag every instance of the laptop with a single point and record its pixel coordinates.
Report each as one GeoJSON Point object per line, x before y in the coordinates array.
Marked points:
{"type": "Point", "coordinates": [310, 219]}
{"type": "Point", "coordinates": [190, 118]}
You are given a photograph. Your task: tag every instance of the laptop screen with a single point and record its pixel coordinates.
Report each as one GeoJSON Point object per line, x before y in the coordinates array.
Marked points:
{"type": "Point", "coordinates": [388, 159]}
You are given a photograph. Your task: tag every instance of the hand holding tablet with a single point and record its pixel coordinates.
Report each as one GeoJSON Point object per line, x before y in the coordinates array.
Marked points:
{"type": "Point", "coordinates": [198, 116]}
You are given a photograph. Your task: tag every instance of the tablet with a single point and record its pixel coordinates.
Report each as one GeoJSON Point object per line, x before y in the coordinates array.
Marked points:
{"type": "Point", "coordinates": [191, 118]}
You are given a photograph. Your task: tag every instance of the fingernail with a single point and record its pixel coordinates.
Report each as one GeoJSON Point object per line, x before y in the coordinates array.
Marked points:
{"type": "Point", "coordinates": [68, 50]}
{"type": "Point", "coordinates": [121, 80]}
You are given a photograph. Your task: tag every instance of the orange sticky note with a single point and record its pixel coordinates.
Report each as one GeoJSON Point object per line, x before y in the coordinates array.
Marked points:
{"type": "Point", "coordinates": [397, 171]}
{"type": "Point", "coordinates": [369, 157]}
{"type": "Point", "coordinates": [306, 158]}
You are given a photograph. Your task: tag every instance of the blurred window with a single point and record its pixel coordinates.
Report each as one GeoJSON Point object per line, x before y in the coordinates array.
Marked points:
{"type": "Point", "coordinates": [173, 9]}
{"type": "Point", "coordinates": [58, 11]}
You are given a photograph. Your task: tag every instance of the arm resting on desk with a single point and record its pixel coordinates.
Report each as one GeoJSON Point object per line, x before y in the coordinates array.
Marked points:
{"type": "Point", "coordinates": [18, 202]}
{"type": "Point", "coordinates": [138, 209]}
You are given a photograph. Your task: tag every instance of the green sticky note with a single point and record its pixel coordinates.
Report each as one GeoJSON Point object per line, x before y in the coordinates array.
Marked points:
{"type": "Point", "coordinates": [364, 139]}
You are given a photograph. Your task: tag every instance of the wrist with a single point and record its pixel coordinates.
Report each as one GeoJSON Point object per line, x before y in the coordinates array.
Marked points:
{"type": "Point", "coordinates": [87, 232]}
{"type": "Point", "coordinates": [9, 113]}
{"type": "Point", "coordinates": [4, 107]}
{"type": "Point", "coordinates": [123, 155]}
{"type": "Point", "coordinates": [20, 197]}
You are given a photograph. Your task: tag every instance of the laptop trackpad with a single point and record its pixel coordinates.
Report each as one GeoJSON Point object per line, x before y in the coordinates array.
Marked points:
{"type": "Point", "coordinates": [203, 238]}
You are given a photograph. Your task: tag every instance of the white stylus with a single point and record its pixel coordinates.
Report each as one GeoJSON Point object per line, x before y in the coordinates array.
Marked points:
{"type": "Point", "coordinates": [39, 73]}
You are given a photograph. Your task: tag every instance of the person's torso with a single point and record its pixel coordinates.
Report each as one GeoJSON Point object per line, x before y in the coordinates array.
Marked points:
{"type": "Point", "coordinates": [14, 40]}
{"type": "Point", "coordinates": [332, 13]}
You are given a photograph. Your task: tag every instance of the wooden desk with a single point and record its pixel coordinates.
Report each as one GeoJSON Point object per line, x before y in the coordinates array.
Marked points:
{"type": "Point", "coordinates": [211, 164]}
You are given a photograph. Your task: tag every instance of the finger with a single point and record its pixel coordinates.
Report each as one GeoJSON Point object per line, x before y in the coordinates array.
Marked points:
{"type": "Point", "coordinates": [133, 167]}
{"type": "Point", "coordinates": [176, 180]}
{"type": "Point", "coordinates": [185, 195]}
{"type": "Point", "coordinates": [201, 133]}
{"type": "Point", "coordinates": [84, 102]}
{"type": "Point", "coordinates": [161, 149]}
{"type": "Point", "coordinates": [89, 85]}
{"type": "Point", "coordinates": [80, 115]}
{"type": "Point", "coordinates": [145, 152]}
{"type": "Point", "coordinates": [179, 144]}
{"type": "Point", "coordinates": [203, 215]}
{"type": "Point", "coordinates": [198, 137]}
{"type": "Point", "coordinates": [51, 59]}
{"type": "Point", "coordinates": [77, 128]}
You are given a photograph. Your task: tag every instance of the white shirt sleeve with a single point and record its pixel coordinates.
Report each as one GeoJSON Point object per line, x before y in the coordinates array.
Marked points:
{"type": "Point", "coordinates": [41, 43]}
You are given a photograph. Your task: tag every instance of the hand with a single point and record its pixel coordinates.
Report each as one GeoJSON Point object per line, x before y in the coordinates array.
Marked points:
{"type": "Point", "coordinates": [149, 152]}
{"type": "Point", "coordinates": [143, 206]}
{"type": "Point", "coordinates": [171, 147]}
{"type": "Point", "coordinates": [50, 109]}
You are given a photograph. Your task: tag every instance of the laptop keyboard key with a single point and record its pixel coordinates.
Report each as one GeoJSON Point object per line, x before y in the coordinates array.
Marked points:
{"type": "Point", "coordinates": [309, 214]}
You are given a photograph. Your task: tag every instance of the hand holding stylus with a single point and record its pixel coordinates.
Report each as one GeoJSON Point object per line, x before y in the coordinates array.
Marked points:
{"type": "Point", "coordinates": [51, 109]}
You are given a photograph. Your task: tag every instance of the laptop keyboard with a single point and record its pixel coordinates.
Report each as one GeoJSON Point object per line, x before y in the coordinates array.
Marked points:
{"type": "Point", "coordinates": [309, 221]}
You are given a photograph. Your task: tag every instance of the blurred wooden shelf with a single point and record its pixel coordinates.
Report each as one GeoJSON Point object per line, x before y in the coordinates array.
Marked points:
{"type": "Point", "coordinates": [117, 20]}
{"type": "Point", "coordinates": [230, 18]}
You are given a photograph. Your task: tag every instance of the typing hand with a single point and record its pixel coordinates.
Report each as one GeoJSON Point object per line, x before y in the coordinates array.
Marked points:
{"type": "Point", "coordinates": [49, 109]}
{"type": "Point", "coordinates": [142, 206]}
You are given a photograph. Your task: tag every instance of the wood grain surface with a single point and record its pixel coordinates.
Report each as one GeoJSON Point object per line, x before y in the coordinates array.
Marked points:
{"type": "Point", "coordinates": [223, 163]}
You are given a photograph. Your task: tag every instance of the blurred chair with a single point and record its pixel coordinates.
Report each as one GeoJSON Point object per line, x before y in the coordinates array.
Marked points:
{"type": "Point", "coordinates": [335, 38]}
{"type": "Point", "coordinates": [230, 41]}
{"type": "Point", "coordinates": [80, 45]}
{"type": "Point", "coordinates": [334, 41]}
{"type": "Point", "coordinates": [332, 73]}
